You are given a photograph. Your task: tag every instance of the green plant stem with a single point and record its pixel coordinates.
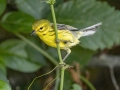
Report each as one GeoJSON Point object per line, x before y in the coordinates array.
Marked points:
{"type": "Point", "coordinates": [37, 48]}
{"type": "Point", "coordinates": [87, 82]}
{"type": "Point", "coordinates": [62, 78]}
{"type": "Point", "coordinates": [58, 48]}
{"type": "Point", "coordinates": [56, 33]}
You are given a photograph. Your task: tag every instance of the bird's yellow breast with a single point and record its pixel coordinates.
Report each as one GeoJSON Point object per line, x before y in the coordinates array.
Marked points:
{"type": "Point", "coordinates": [50, 40]}
{"type": "Point", "coordinates": [66, 39]}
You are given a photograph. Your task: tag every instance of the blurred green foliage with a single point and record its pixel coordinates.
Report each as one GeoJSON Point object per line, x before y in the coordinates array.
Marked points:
{"type": "Point", "coordinates": [2, 6]}
{"type": "Point", "coordinates": [12, 23]}
{"type": "Point", "coordinates": [15, 56]}
{"type": "Point", "coordinates": [76, 87]}
{"type": "Point", "coordinates": [4, 86]}
{"type": "Point", "coordinates": [18, 55]}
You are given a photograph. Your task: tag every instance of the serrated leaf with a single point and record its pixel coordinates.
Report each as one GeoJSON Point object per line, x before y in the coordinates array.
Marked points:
{"type": "Point", "coordinates": [16, 57]}
{"type": "Point", "coordinates": [83, 14]}
{"type": "Point", "coordinates": [37, 8]}
{"type": "Point", "coordinates": [4, 86]}
{"type": "Point", "coordinates": [2, 6]}
{"type": "Point", "coordinates": [17, 22]}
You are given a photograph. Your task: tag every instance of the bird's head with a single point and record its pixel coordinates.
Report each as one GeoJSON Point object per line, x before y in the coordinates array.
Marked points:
{"type": "Point", "coordinates": [41, 27]}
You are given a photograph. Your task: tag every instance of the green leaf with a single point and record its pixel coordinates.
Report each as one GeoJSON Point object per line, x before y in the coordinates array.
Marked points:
{"type": "Point", "coordinates": [2, 66]}
{"type": "Point", "coordinates": [80, 55]}
{"type": "Point", "coordinates": [76, 87]}
{"type": "Point", "coordinates": [3, 71]}
{"type": "Point", "coordinates": [81, 14]}
{"type": "Point", "coordinates": [2, 6]}
{"type": "Point", "coordinates": [17, 22]}
{"type": "Point", "coordinates": [37, 8]}
{"type": "Point", "coordinates": [53, 52]}
{"type": "Point", "coordinates": [4, 86]}
{"type": "Point", "coordinates": [3, 77]}
{"type": "Point", "coordinates": [16, 57]}
{"type": "Point", "coordinates": [35, 56]}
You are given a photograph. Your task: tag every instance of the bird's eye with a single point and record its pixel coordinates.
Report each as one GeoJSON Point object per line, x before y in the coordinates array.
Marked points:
{"type": "Point", "coordinates": [41, 28]}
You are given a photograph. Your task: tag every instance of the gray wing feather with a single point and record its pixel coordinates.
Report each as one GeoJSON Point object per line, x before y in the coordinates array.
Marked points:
{"type": "Point", "coordinates": [76, 32]}
{"type": "Point", "coordinates": [93, 27]}
{"type": "Point", "coordinates": [65, 27]}
{"type": "Point", "coordinates": [90, 30]}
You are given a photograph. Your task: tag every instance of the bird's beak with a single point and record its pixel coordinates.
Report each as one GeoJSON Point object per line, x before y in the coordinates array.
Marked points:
{"type": "Point", "coordinates": [33, 32]}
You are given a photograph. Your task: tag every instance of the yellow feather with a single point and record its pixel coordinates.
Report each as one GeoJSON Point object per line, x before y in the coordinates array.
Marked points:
{"type": "Point", "coordinates": [47, 34]}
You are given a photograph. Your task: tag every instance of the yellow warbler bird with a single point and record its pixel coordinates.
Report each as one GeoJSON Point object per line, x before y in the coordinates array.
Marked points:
{"type": "Point", "coordinates": [67, 35]}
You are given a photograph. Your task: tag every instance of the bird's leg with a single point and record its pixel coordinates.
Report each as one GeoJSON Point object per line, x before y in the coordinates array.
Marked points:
{"type": "Point", "coordinates": [68, 52]}
{"type": "Point", "coordinates": [67, 49]}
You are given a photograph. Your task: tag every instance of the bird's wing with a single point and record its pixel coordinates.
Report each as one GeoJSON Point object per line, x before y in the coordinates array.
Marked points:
{"type": "Point", "coordinates": [76, 32]}
{"type": "Point", "coordinates": [64, 27]}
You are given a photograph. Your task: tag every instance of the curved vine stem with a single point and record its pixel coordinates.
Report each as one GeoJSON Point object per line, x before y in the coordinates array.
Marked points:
{"type": "Point", "coordinates": [41, 76]}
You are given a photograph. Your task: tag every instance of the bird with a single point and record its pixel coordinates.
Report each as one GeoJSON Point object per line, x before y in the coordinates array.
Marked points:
{"type": "Point", "coordinates": [68, 36]}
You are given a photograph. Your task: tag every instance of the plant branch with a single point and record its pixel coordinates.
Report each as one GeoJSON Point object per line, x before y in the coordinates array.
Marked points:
{"type": "Point", "coordinates": [87, 83]}
{"type": "Point", "coordinates": [62, 78]}
{"type": "Point", "coordinates": [37, 48]}
{"type": "Point", "coordinates": [51, 2]}
{"type": "Point", "coordinates": [113, 78]}
{"type": "Point", "coordinates": [56, 32]}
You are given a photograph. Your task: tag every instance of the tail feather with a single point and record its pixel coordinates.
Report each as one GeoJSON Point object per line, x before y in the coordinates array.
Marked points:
{"type": "Point", "coordinates": [90, 30]}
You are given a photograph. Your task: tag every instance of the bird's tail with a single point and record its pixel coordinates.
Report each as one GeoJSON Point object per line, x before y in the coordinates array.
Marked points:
{"type": "Point", "coordinates": [90, 30]}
